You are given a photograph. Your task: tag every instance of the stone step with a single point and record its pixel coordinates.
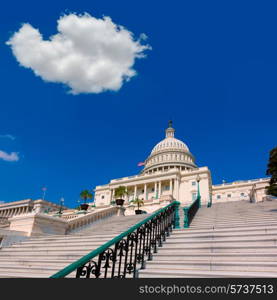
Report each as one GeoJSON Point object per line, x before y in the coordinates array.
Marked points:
{"type": "Point", "coordinates": [69, 248]}
{"type": "Point", "coordinates": [172, 250]}
{"type": "Point", "coordinates": [233, 216]}
{"type": "Point", "coordinates": [47, 238]}
{"type": "Point", "coordinates": [9, 274]}
{"type": "Point", "coordinates": [45, 270]}
{"type": "Point", "coordinates": [60, 243]}
{"type": "Point", "coordinates": [264, 240]}
{"type": "Point", "coordinates": [212, 266]}
{"type": "Point", "coordinates": [218, 235]}
{"type": "Point", "coordinates": [56, 264]}
{"type": "Point", "coordinates": [233, 222]}
{"type": "Point", "coordinates": [210, 226]}
{"type": "Point", "coordinates": [45, 257]}
{"type": "Point", "coordinates": [46, 252]}
{"type": "Point", "coordinates": [220, 244]}
{"type": "Point", "coordinates": [200, 256]}
{"type": "Point", "coordinates": [206, 274]}
{"type": "Point", "coordinates": [250, 227]}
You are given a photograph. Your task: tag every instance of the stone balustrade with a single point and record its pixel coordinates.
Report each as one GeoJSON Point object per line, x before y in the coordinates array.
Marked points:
{"type": "Point", "coordinates": [39, 224]}
{"type": "Point", "coordinates": [90, 217]}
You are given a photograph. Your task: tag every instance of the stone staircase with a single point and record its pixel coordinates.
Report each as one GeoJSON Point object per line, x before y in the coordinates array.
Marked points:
{"type": "Point", "coordinates": [235, 239]}
{"type": "Point", "coordinates": [43, 256]}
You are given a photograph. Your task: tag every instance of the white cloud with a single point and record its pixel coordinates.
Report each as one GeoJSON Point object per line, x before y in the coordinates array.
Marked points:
{"type": "Point", "coordinates": [87, 54]}
{"type": "Point", "coordinates": [13, 156]}
{"type": "Point", "coordinates": [7, 136]}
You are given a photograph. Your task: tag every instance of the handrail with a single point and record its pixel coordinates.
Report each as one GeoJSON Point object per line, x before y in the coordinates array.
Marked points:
{"type": "Point", "coordinates": [190, 211]}
{"type": "Point", "coordinates": [141, 239]}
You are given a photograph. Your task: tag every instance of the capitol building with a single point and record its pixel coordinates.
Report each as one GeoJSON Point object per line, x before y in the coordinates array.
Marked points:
{"type": "Point", "coordinates": [170, 172]}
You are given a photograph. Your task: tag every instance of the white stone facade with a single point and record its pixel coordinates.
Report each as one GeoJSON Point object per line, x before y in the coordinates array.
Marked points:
{"type": "Point", "coordinates": [170, 170]}
{"type": "Point", "coordinates": [10, 209]}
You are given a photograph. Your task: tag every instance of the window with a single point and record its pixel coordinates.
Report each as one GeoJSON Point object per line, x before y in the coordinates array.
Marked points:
{"type": "Point", "coordinates": [193, 183]}
{"type": "Point", "coordinates": [153, 190]}
{"type": "Point", "coordinates": [103, 197]}
{"type": "Point", "coordinates": [242, 194]}
{"type": "Point", "coordinates": [166, 188]}
{"type": "Point", "coordinates": [194, 196]}
{"type": "Point", "coordinates": [229, 195]}
{"type": "Point", "coordinates": [218, 197]}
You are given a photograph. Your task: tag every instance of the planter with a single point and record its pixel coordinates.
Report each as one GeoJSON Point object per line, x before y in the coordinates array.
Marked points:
{"type": "Point", "coordinates": [84, 206]}
{"type": "Point", "coordinates": [138, 212]}
{"type": "Point", "coordinates": [119, 202]}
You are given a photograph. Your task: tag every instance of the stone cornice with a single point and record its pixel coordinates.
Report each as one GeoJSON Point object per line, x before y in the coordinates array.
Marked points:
{"type": "Point", "coordinates": [16, 203]}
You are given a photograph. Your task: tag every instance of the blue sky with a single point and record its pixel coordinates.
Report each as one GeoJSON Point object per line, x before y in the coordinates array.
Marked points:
{"type": "Point", "coordinates": [212, 70]}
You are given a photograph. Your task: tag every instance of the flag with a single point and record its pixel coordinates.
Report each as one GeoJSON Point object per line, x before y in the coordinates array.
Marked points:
{"type": "Point", "coordinates": [141, 164]}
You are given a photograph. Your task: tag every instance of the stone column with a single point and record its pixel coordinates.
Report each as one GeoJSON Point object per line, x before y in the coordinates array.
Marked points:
{"type": "Point", "coordinates": [177, 189]}
{"type": "Point", "coordinates": [126, 197]}
{"type": "Point", "coordinates": [170, 186]}
{"type": "Point", "coordinates": [145, 191]}
{"type": "Point", "coordinates": [160, 189]}
{"type": "Point", "coordinates": [135, 192]}
{"type": "Point", "coordinates": [155, 190]}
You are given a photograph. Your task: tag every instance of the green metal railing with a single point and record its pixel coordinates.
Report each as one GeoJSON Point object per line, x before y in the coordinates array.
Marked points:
{"type": "Point", "coordinates": [134, 246]}
{"type": "Point", "coordinates": [190, 211]}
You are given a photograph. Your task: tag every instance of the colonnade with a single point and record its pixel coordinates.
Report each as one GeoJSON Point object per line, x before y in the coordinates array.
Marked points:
{"type": "Point", "coordinates": [166, 168]}
{"type": "Point", "coordinates": [156, 189]}
{"type": "Point", "coordinates": [13, 211]}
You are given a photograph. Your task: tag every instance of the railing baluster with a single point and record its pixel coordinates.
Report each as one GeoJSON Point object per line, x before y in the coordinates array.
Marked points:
{"type": "Point", "coordinates": [114, 258]}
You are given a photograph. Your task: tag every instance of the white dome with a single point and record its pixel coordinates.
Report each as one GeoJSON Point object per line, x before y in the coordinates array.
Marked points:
{"type": "Point", "coordinates": [170, 143]}
{"type": "Point", "coordinates": [169, 153]}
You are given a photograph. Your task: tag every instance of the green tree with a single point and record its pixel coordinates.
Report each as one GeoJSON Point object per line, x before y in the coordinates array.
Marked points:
{"type": "Point", "coordinates": [85, 195]}
{"type": "Point", "coordinates": [272, 170]}
{"type": "Point", "coordinates": [120, 192]}
{"type": "Point", "coordinates": [138, 202]}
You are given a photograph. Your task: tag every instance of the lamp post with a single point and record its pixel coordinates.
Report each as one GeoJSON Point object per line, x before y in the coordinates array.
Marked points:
{"type": "Point", "coordinates": [79, 208]}
{"type": "Point", "coordinates": [198, 190]}
{"type": "Point", "coordinates": [61, 205]}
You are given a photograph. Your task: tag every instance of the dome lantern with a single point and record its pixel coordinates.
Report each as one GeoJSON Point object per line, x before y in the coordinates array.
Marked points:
{"type": "Point", "coordinates": [169, 131]}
